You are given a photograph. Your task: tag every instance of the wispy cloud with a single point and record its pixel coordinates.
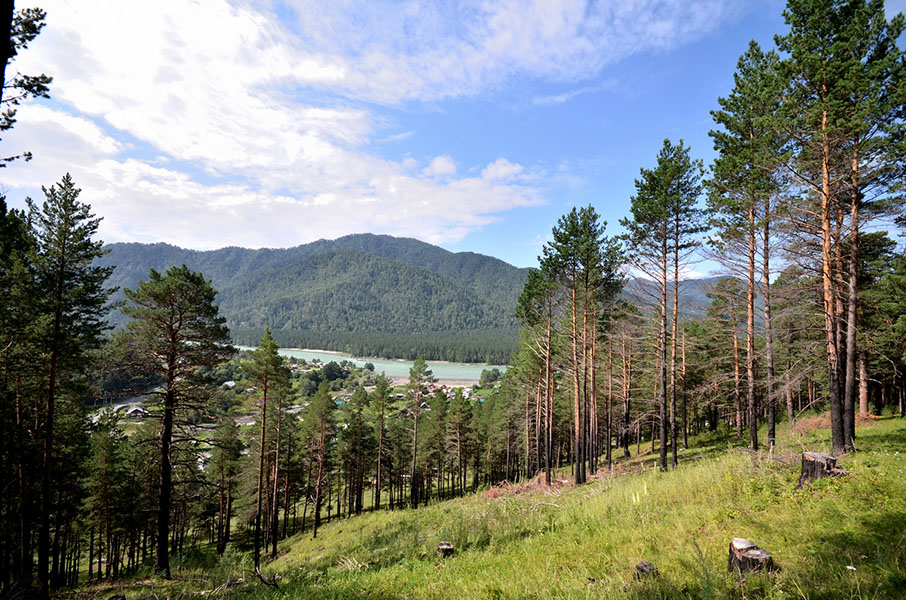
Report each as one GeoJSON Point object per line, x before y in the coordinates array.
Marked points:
{"type": "Point", "coordinates": [555, 99]}
{"type": "Point", "coordinates": [397, 137]}
{"type": "Point", "coordinates": [257, 132]}
{"type": "Point", "coordinates": [432, 51]}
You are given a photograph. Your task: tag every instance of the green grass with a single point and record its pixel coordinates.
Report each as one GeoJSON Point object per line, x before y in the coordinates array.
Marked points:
{"type": "Point", "coordinates": [584, 542]}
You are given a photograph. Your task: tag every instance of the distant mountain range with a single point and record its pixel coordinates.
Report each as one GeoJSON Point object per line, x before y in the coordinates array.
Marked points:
{"type": "Point", "coordinates": [366, 294]}
{"type": "Point", "coordinates": [369, 295]}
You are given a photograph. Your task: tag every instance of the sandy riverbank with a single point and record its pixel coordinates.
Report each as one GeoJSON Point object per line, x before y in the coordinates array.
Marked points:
{"type": "Point", "coordinates": [450, 383]}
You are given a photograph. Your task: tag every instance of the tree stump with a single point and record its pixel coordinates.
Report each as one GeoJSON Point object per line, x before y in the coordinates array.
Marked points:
{"type": "Point", "coordinates": [817, 465]}
{"type": "Point", "coordinates": [746, 557]}
{"type": "Point", "coordinates": [645, 569]}
{"type": "Point", "coordinates": [444, 549]}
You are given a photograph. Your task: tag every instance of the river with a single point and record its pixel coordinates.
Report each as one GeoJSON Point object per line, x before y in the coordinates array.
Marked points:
{"type": "Point", "coordinates": [396, 368]}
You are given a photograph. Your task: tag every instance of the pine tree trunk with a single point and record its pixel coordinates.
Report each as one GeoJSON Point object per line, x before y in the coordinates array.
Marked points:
{"type": "Point", "coordinates": [162, 559]}
{"type": "Point", "coordinates": [852, 316]}
{"type": "Point", "coordinates": [673, 345]}
{"type": "Point", "coordinates": [274, 502]}
{"type": "Point", "coordinates": [261, 452]}
{"type": "Point", "coordinates": [751, 401]}
{"type": "Point", "coordinates": [768, 328]}
{"type": "Point", "coordinates": [827, 286]}
{"type": "Point", "coordinates": [549, 401]}
{"type": "Point", "coordinates": [685, 411]}
{"type": "Point", "coordinates": [662, 356]}
{"type": "Point", "coordinates": [413, 488]}
{"type": "Point", "coordinates": [578, 459]}
{"type": "Point", "coordinates": [736, 394]}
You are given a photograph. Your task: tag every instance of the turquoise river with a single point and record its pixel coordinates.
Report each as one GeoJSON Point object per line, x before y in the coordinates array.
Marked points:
{"type": "Point", "coordinates": [396, 368]}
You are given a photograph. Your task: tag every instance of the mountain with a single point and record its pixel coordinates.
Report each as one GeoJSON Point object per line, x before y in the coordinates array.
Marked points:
{"type": "Point", "coordinates": [693, 299]}
{"type": "Point", "coordinates": [369, 295]}
{"type": "Point", "coordinates": [366, 294]}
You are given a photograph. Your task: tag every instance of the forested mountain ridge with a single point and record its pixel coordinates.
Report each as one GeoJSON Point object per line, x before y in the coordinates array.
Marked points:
{"type": "Point", "coordinates": [365, 285]}
{"type": "Point", "coordinates": [693, 300]}
{"type": "Point", "coordinates": [347, 290]}
{"type": "Point", "coordinates": [371, 285]}
{"type": "Point", "coordinates": [486, 276]}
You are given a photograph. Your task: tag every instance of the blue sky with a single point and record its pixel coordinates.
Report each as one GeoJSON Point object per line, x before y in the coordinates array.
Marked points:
{"type": "Point", "coordinates": [472, 125]}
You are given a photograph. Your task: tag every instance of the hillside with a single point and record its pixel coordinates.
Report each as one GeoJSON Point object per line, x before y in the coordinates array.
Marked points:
{"type": "Point", "coordinates": [449, 305]}
{"type": "Point", "coordinates": [838, 538]}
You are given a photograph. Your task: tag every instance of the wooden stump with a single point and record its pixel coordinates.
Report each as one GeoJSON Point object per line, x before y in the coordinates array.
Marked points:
{"type": "Point", "coordinates": [817, 465]}
{"type": "Point", "coordinates": [444, 549]}
{"type": "Point", "coordinates": [645, 569]}
{"type": "Point", "coordinates": [746, 557]}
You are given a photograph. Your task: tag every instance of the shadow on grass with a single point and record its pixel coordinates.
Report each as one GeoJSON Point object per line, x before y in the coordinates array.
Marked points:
{"type": "Point", "coordinates": [872, 438]}
{"type": "Point", "coordinates": [709, 444]}
{"type": "Point", "coordinates": [862, 561]}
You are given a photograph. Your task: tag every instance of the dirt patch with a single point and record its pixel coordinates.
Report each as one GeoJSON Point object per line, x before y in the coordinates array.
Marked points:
{"type": "Point", "coordinates": [810, 424]}
{"type": "Point", "coordinates": [534, 485]}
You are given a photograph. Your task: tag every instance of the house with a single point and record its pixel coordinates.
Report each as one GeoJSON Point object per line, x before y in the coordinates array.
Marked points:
{"type": "Point", "coordinates": [136, 412]}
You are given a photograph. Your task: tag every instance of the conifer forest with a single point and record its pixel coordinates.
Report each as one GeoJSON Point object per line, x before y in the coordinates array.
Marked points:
{"type": "Point", "coordinates": [144, 453]}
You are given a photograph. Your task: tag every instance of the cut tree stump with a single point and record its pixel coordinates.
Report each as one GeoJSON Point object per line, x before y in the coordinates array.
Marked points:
{"type": "Point", "coordinates": [444, 549]}
{"type": "Point", "coordinates": [817, 465]}
{"type": "Point", "coordinates": [746, 557]}
{"type": "Point", "coordinates": [645, 569]}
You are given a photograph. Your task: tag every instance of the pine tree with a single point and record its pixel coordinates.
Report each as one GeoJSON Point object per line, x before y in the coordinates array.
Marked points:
{"type": "Point", "coordinates": [71, 318]}
{"type": "Point", "coordinates": [319, 423]}
{"type": "Point", "coordinates": [379, 401]}
{"type": "Point", "coordinates": [745, 179]}
{"type": "Point", "coordinates": [843, 110]}
{"type": "Point", "coordinates": [419, 378]}
{"type": "Point", "coordinates": [21, 27]}
{"type": "Point", "coordinates": [660, 235]}
{"type": "Point", "coordinates": [267, 371]}
{"type": "Point", "coordinates": [175, 331]}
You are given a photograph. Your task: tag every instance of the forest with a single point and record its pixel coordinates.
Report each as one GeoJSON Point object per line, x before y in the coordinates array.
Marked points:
{"type": "Point", "coordinates": [365, 294]}
{"type": "Point", "coordinates": [243, 457]}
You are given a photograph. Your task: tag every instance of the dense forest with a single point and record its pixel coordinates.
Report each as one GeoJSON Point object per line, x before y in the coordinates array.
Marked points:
{"type": "Point", "coordinates": [231, 454]}
{"type": "Point", "coordinates": [365, 294]}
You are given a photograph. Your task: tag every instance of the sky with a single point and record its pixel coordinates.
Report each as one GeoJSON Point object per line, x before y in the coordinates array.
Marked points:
{"type": "Point", "coordinates": [470, 125]}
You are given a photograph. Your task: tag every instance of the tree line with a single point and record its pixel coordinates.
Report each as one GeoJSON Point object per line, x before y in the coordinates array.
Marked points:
{"type": "Point", "coordinates": [808, 173]}
{"type": "Point", "coordinates": [494, 345]}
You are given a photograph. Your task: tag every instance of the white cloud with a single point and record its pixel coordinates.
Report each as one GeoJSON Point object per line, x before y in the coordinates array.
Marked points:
{"type": "Point", "coordinates": [244, 131]}
{"type": "Point", "coordinates": [441, 165]}
{"type": "Point", "coordinates": [502, 169]}
{"type": "Point", "coordinates": [392, 52]}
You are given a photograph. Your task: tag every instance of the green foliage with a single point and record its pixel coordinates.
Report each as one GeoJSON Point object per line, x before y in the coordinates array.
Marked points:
{"type": "Point", "coordinates": [750, 147]}
{"type": "Point", "coordinates": [22, 26]}
{"type": "Point", "coordinates": [175, 331]}
{"type": "Point", "coordinates": [265, 367]}
{"type": "Point", "coordinates": [488, 376]}
{"type": "Point", "coordinates": [359, 293]}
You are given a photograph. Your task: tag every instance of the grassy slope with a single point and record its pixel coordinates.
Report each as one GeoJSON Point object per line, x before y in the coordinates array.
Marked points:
{"type": "Point", "coordinates": [584, 542]}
